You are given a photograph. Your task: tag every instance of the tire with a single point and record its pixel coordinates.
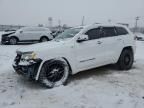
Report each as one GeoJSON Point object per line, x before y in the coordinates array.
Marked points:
{"type": "Point", "coordinates": [44, 39]}
{"type": "Point", "coordinates": [54, 73]}
{"type": "Point", "coordinates": [126, 60]}
{"type": "Point", "coordinates": [13, 41]}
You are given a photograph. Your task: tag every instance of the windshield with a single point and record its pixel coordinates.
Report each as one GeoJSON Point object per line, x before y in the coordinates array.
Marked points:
{"type": "Point", "coordinates": [69, 33]}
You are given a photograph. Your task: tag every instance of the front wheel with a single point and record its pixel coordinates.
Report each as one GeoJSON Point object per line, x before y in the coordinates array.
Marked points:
{"type": "Point", "coordinates": [13, 41]}
{"type": "Point", "coordinates": [126, 60]}
{"type": "Point", "coordinates": [54, 73]}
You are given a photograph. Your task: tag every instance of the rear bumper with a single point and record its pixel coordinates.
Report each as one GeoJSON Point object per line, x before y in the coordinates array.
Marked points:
{"type": "Point", "coordinates": [29, 70]}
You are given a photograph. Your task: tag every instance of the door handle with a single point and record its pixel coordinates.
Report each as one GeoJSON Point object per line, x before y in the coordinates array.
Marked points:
{"type": "Point", "coordinates": [99, 42]}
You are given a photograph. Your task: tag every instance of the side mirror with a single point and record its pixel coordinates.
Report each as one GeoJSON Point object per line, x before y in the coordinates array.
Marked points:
{"type": "Point", "coordinates": [82, 38]}
{"type": "Point", "coordinates": [21, 31]}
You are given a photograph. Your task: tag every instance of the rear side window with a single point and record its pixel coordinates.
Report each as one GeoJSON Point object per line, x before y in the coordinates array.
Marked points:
{"type": "Point", "coordinates": [93, 33]}
{"type": "Point", "coordinates": [108, 32]}
{"type": "Point", "coordinates": [37, 29]}
{"type": "Point", "coordinates": [121, 31]}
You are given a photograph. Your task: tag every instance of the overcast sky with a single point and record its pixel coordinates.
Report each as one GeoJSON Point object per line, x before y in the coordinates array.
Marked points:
{"type": "Point", "coordinates": [33, 12]}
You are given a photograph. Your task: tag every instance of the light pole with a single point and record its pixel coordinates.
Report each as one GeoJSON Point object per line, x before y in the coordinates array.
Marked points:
{"type": "Point", "coordinates": [50, 20]}
{"type": "Point", "coordinates": [83, 18]}
{"type": "Point", "coordinates": [136, 23]}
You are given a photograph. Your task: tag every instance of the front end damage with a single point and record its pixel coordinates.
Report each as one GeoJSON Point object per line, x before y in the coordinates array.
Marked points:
{"type": "Point", "coordinates": [5, 38]}
{"type": "Point", "coordinates": [27, 68]}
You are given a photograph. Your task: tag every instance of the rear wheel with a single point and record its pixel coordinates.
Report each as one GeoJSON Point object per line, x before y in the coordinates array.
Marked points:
{"type": "Point", "coordinates": [44, 39]}
{"type": "Point", "coordinates": [54, 73]}
{"type": "Point", "coordinates": [126, 60]}
{"type": "Point", "coordinates": [13, 41]}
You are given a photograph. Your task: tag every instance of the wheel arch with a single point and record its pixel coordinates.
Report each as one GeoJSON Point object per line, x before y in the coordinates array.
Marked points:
{"type": "Point", "coordinates": [61, 58]}
{"type": "Point", "coordinates": [126, 48]}
{"type": "Point", "coordinates": [120, 63]}
{"type": "Point", "coordinates": [15, 37]}
{"type": "Point", "coordinates": [68, 64]}
{"type": "Point", "coordinates": [44, 36]}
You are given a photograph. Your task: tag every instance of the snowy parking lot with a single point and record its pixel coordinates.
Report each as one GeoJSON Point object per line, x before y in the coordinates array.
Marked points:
{"type": "Point", "coordinates": [103, 87]}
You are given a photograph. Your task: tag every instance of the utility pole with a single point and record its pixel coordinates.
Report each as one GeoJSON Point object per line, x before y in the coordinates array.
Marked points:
{"type": "Point", "coordinates": [83, 18]}
{"type": "Point", "coordinates": [59, 24]}
{"type": "Point", "coordinates": [136, 23]}
{"type": "Point", "coordinates": [50, 21]}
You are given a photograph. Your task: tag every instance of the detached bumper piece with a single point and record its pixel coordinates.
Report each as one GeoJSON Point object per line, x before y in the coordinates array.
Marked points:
{"type": "Point", "coordinates": [28, 69]}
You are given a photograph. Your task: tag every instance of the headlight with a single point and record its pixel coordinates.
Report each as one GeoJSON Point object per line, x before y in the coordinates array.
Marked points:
{"type": "Point", "coordinates": [29, 56]}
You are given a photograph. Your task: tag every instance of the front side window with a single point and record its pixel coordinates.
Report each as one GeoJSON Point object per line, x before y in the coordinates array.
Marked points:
{"type": "Point", "coordinates": [33, 29]}
{"type": "Point", "coordinates": [93, 33]}
{"type": "Point", "coordinates": [36, 29]}
{"type": "Point", "coordinates": [121, 31]}
{"type": "Point", "coordinates": [108, 32]}
{"type": "Point", "coordinates": [69, 33]}
{"type": "Point", "coordinates": [39, 29]}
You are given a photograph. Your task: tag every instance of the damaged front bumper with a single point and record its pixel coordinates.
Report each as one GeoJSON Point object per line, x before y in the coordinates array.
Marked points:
{"type": "Point", "coordinates": [27, 68]}
{"type": "Point", "coordinates": [5, 40]}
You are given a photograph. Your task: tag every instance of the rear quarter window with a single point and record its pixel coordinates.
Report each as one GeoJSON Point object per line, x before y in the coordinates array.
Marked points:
{"type": "Point", "coordinates": [108, 32]}
{"type": "Point", "coordinates": [121, 31]}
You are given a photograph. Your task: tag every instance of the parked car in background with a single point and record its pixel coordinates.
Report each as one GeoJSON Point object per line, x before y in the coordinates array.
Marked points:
{"type": "Point", "coordinates": [27, 34]}
{"type": "Point", "coordinates": [139, 36]}
{"type": "Point", "coordinates": [77, 49]}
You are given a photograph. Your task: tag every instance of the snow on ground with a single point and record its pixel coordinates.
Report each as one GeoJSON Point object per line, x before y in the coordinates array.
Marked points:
{"type": "Point", "coordinates": [103, 87]}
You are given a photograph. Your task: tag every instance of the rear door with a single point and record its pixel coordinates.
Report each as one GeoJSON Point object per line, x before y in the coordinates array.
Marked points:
{"type": "Point", "coordinates": [36, 33]}
{"type": "Point", "coordinates": [111, 45]}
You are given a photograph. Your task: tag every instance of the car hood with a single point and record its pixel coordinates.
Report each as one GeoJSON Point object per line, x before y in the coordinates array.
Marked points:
{"type": "Point", "coordinates": [8, 33]}
{"type": "Point", "coordinates": [43, 46]}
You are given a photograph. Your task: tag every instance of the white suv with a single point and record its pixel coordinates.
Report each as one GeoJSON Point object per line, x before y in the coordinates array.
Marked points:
{"type": "Point", "coordinates": [27, 34]}
{"type": "Point", "coordinates": [76, 49]}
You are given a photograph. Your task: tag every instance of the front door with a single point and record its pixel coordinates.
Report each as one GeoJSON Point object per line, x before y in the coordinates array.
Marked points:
{"type": "Point", "coordinates": [28, 34]}
{"type": "Point", "coordinates": [88, 53]}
